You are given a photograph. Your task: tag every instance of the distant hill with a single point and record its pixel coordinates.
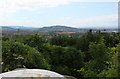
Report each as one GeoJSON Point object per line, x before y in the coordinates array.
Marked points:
{"type": "Point", "coordinates": [56, 28]}
{"type": "Point", "coordinates": [12, 30]}
{"type": "Point", "coordinates": [6, 28]}
{"type": "Point", "coordinates": [15, 28]}
{"type": "Point", "coordinates": [18, 27]}
{"type": "Point", "coordinates": [59, 28]}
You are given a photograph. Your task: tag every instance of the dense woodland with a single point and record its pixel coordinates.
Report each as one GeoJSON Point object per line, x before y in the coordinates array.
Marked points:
{"type": "Point", "coordinates": [91, 55]}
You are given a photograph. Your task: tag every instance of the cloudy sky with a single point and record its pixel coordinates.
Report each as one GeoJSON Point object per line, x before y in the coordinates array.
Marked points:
{"type": "Point", "coordinates": [74, 13]}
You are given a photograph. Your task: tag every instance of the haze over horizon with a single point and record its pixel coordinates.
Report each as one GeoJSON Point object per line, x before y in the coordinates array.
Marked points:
{"type": "Point", "coordinates": [36, 13]}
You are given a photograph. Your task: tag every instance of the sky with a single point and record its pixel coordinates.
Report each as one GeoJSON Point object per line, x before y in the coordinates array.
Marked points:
{"type": "Point", "coordinates": [74, 13]}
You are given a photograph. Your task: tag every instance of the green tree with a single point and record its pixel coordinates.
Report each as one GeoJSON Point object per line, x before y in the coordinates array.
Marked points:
{"type": "Point", "coordinates": [98, 63]}
{"type": "Point", "coordinates": [111, 40]}
{"type": "Point", "coordinates": [99, 56]}
{"type": "Point", "coordinates": [35, 41]}
{"type": "Point", "coordinates": [114, 64]}
{"type": "Point", "coordinates": [67, 57]}
{"type": "Point", "coordinates": [82, 44]}
{"type": "Point", "coordinates": [5, 38]}
{"type": "Point", "coordinates": [17, 55]}
{"type": "Point", "coordinates": [59, 40]}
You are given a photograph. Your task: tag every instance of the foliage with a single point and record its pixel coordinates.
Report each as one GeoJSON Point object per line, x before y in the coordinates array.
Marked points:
{"type": "Point", "coordinates": [94, 54]}
{"type": "Point", "coordinates": [5, 38]}
{"type": "Point", "coordinates": [98, 53]}
{"type": "Point", "coordinates": [113, 69]}
{"type": "Point", "coordinates": [34, 41]}
{"type": "Point", "coordinates": [17, 55]}
{"type": "Point", "coordinates": [59, 40]}
{"type": "Point", "coordinates": [67, 56]}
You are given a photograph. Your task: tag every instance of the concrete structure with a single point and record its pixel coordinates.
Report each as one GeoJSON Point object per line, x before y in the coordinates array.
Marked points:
{"type": "Point", "coordinates": [31, 74]}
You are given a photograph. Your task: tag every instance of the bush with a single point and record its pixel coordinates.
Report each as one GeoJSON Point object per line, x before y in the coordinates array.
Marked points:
{"type": "Point", "coordinates": [17, 55]}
